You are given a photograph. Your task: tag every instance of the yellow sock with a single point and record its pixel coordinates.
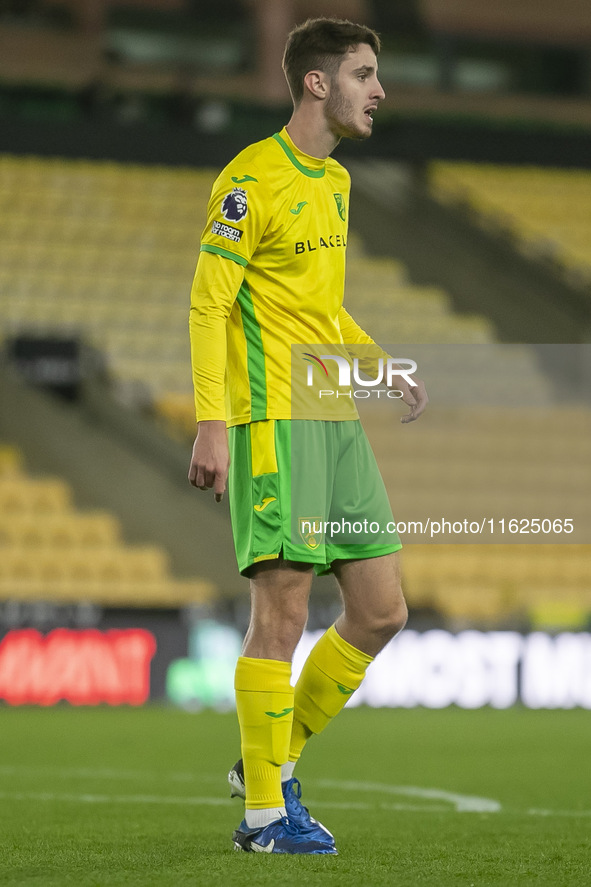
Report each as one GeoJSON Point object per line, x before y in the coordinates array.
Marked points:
{"type": "Point", "coordinates": [264, 703]}
{"type": "Point", "coordinates": [331, 673]}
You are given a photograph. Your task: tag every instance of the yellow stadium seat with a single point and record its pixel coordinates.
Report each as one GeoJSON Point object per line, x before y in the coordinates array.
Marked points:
{"type": "Point", "coordinates": [51, 552]}
{"type": "Point", "coordinates": [41, 496]}
{"type": "Point", "coordinates": [550, 207]}
{"type": "Point", "coordinates": [11, 461]}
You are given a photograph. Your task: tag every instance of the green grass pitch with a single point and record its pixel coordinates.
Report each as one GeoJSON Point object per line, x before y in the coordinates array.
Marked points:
{"type": "Point", "coordinates": [101, 797]}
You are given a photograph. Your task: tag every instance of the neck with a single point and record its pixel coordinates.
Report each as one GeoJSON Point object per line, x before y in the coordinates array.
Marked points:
{"type": "Point", "coordinates": [311, 134]}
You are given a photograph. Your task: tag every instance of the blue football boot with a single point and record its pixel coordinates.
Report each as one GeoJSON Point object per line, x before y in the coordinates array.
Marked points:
{"type": "Point", "coordinates": [280, 836]}
{"type": "Point", "coordinates": [300, 815]}
{"type": "Point", "coordinates": [296, 812]}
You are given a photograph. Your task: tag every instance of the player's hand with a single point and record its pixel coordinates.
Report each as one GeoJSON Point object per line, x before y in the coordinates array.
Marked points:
{"type": "Point", "coordinates": [415, 397]}
{"type": "Point", "coordinates": [210, 460]}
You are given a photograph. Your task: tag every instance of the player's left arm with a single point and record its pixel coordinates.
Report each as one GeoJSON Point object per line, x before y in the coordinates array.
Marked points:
{"type": "Point", "coordinates": [414, 395]}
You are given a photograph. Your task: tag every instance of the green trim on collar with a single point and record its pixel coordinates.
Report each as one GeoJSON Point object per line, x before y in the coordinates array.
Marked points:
{"type": "Point", "coordinates": [312, 173]}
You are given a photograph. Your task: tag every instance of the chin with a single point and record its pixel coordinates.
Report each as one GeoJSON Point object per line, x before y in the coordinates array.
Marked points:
{"type": "Point", "coordinates": [353, 131]}
{"type": "Point", "coordinates": [360, 134]}
{"type": "Point", "coordinates": [357, 133]}
{"type": "Point", "coordinates": [365, 131]}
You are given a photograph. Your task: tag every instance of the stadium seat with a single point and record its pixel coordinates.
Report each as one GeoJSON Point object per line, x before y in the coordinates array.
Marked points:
{"type": "Point", "coordinates": [60, 530]}
{"type": "Point", "coordinates": [11, 461]}
{"type": "Point", "coordinates": [109, 250]}
{"type": "Point", "coordinates": [547, 208]}
{"type": "Point", "coordinates": [49, 551]}
{"type": "Point", "coordinates": [22, 494]}
{"type": "Point", "coordinates": [101, 249]}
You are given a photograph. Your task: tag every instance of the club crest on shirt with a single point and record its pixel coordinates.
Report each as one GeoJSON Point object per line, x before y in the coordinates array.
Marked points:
{"type": "Point", "coordinates": [234, 205]}
{"type": "Point", "coordinates": [340, 202]}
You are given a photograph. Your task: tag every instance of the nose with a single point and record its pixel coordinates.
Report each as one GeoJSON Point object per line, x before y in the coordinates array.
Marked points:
{"type": "Point", "coordinates": [377, 92]}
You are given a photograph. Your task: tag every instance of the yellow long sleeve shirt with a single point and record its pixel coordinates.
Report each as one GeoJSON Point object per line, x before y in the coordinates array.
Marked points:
{"type": "Point", "coordinates": [270, 277]}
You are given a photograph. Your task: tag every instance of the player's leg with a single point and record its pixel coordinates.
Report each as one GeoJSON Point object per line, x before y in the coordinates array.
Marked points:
{"type": "Point", "coordinates": [279, 591]}
{"type": "Point", "coordinates": [374, 612]}
{"type": "Point", "coordinates": [374, 606]}
{"type": "Point", "coordinates": [262, 521]}
{"type": "Point", "coordinates": [367, 569]}
{"type": "Point", "coordinates": [264, 695]}
{"type": "Point", "coordinates": [264, 702]}
{"type": "Point", "coordinates": [279, 607]}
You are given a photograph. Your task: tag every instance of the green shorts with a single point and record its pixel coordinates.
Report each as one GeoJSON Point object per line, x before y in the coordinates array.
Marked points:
{"type": "Point", "coordinates": [310, 491]}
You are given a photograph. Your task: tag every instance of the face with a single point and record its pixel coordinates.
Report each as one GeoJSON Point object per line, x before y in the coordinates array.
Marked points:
{"type": "Point", "coordinates": [355, 92]}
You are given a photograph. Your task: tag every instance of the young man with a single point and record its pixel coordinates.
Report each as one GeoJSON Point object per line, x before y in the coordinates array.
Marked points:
{"type": "Point", "coordinates": [271, 275]}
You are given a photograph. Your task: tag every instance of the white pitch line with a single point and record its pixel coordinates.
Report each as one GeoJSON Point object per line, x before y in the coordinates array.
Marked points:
{"type": "Point", "coordinates": [535, 812]}
{"type": "Point", "coordinates": [462, 803]}
{"type": "Point", "coordinates": [102, 773]}
{"type": "Point", "coordinates": [86, 798]}
{"type": "Point", "coordinates": [115, 799]}
{"type": "Point", "coordinates": [454, 802]}
{"type": "Point", "coordinates": [197, 801]}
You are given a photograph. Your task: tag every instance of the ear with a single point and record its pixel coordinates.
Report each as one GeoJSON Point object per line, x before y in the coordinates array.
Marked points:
{"type": "Point", "coordinates": [316, 82]}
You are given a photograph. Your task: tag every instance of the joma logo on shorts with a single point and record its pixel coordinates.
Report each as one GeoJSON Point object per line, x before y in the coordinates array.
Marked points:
{"type": "Point", "coordinates": [261, 506]}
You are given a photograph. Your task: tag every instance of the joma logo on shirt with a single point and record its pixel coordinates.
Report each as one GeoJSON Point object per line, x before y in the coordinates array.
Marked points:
{"type": "Point", "coordinates": [307, 246]}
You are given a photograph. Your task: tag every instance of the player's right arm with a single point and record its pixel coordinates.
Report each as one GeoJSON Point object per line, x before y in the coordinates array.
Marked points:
{"type": "Point", "coordinates": [216, 283]}
{"type": "Point", "coordinates": [237, 215]}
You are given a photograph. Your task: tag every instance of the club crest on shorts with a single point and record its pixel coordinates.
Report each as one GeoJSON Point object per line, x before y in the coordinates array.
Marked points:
{"type": "Point", "coordinates": [235, 205]}
{"type": "Point", "coordinates": [310, 530]}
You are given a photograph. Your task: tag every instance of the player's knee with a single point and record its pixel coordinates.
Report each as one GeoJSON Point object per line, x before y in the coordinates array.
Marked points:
{"type": "Point", "coordinates": [281, 626]}
{"type": "Point", "coordinates": [399, 617]}
{"type": "Point", "coordinates": [290, 629]}
{"type": "Point", "coordinates": [394, 621]}
{"type": "Point", "coordinates": [388, 622]}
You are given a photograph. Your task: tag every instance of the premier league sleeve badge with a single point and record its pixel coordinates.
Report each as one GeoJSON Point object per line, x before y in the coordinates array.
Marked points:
{"type": "Point", "coordinates": [235, 205]}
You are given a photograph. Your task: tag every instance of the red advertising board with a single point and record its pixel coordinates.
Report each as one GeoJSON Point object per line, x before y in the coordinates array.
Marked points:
{"type": "Point", "coordinates": [79, 666]}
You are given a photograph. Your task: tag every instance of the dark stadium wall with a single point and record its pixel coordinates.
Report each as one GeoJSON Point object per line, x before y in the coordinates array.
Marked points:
{"type": "Point", "coordinates": [415, 138]}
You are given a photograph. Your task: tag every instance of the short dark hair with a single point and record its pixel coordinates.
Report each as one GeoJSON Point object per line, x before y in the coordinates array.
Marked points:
{"type": "Point", "coordinates": [320, 44]}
